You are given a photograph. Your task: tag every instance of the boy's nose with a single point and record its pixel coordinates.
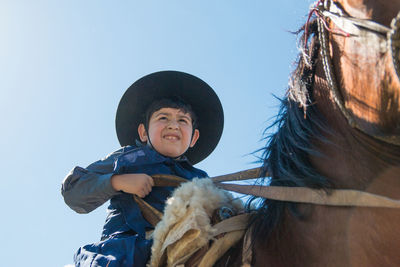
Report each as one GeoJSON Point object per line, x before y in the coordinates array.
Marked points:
{"type": "Point", "coordinates": [173, 124]}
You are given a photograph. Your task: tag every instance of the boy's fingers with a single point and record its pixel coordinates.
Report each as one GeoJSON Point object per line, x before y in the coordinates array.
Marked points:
{"type": "Point", "coordinates": [151, 181]}
{"type": "Point", "coordinates": [148, 187]}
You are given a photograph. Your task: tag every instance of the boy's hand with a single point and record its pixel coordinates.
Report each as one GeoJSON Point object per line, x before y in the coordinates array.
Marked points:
{"type": "Point", "coordinates": [139, 184]}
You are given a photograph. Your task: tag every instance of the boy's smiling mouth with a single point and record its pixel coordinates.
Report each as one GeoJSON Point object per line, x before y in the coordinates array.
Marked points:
{"type": "Point", "coordinates": [171, 137]}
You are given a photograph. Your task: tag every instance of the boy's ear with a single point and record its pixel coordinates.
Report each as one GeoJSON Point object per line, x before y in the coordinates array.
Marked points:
{"type": "Point", "coordinates": [142, 133]}
{"type": "Point", "coordinates": [195, 137]}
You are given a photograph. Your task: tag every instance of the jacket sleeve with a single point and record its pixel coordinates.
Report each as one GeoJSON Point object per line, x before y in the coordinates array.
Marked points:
{"type": "Point", "coordinates": [85, 189]}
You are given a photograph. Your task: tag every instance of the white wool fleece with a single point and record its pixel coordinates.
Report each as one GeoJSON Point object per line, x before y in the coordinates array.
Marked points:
{"type": "Point", "coordinates": [199, 196]}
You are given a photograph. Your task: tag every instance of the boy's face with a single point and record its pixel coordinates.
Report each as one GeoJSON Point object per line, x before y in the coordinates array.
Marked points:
{"type": "Point", "coordinates": [170, 132]}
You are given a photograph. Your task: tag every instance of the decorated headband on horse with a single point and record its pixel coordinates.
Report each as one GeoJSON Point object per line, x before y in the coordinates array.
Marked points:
{"type": "Point", "coordinates": [167, 84]}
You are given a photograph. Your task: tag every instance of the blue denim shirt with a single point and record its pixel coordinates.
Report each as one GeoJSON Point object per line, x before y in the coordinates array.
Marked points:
{"type": "Point", "coordinates": [123, 240]}
{"type": "Point", "coordinates": [143, 160]}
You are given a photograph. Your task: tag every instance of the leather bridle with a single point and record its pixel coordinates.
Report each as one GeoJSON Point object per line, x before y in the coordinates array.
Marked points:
{"type": "Point", "coordinates": [382, 38]}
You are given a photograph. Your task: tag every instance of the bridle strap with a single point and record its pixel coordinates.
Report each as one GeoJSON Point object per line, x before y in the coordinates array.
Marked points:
{"type": "Point", "coordinates": [329, 73]}
{"type": "Point", "coordinates": [353, 26]}
{"type": "Point", "coordinates": [385, 39]}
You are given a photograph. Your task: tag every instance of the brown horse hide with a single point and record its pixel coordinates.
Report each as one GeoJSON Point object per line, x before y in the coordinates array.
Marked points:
{"type": "Point", "coordinates": [315, 146]}
{"type": "Point", "coordinates": [365, 71]}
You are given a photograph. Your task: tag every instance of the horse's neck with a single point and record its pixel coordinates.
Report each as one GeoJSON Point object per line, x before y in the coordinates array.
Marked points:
{"type": "Point", "coordinates": [337, 236]}
{"type": "Point", "coordinates": [330, 236]}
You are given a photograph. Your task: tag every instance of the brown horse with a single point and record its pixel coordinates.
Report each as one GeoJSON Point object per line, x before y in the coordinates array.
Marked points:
{"type": "Point", "coordinates": [338, 128]}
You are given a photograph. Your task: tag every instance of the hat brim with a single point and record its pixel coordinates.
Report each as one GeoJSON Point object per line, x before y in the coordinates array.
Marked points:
{"type": "Point", "coordinates": [204, 101]}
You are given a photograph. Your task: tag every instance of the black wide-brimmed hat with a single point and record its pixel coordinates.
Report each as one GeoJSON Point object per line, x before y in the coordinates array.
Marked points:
{"type": "Point", "coordinates": [165, 84]}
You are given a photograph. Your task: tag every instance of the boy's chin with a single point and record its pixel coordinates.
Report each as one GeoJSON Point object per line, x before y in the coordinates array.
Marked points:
{"type": "Point", "coordinates": [172, 154]}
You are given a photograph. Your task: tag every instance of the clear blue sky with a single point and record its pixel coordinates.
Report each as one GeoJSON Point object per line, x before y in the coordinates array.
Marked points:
{"type": "Point", "coordinates": [64, 66]}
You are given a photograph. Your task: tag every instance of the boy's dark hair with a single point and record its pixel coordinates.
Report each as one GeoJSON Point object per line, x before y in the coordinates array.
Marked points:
{"type": "Point", "coordinates": [171, 102]}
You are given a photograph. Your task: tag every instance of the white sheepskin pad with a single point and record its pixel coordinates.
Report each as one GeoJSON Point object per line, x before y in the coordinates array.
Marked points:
{"type": "Point", "coordinates": [185, 226]}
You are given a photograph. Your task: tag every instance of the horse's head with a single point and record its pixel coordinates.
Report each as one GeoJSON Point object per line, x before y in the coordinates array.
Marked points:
{"type": "Point", "coordinates": [361, 40]}
{"type": "Point", "coordinates": [338, 128]}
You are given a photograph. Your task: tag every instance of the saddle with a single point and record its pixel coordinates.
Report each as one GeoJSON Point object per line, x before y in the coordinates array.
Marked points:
{"type": "Point", "coordinates": [200, 223]}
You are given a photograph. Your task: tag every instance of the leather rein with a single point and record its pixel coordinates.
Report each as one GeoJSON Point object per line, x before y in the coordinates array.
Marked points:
{"type": "Point", "coordinates": [334, 197]}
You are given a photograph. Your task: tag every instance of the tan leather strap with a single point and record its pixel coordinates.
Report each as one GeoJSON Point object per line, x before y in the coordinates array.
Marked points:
{"type": "Point", "coordinates": [239, 176]}
{"type": "Point", "coordinates": [337, 197]}
{"type": "Point", "coordinates": [233, 229]}
{"type": "Point", "coordinates": [220, 247]}
{"type": "Point", "coordinates": [172, 180]}
{"type": "Point", "coordinates": [167, 180]}
{"type": "Point", "coordinates": [235, 223]}
{"type": "Point", "coordinates": [149, 213]}
{"type": "Point", "coordinates": [247, 253]}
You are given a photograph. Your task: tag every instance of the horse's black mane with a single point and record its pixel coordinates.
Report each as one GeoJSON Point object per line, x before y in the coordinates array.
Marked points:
{"type": "Point", "coordinates": [286, 155]}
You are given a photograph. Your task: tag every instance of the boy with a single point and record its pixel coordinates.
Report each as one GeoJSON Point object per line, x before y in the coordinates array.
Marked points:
{"type": "Point", "coordinates": [167, 111]}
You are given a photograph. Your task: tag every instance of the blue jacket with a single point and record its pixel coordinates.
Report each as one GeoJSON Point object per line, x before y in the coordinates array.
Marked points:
{"type": "Point", "coordinates": [123, 240]}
